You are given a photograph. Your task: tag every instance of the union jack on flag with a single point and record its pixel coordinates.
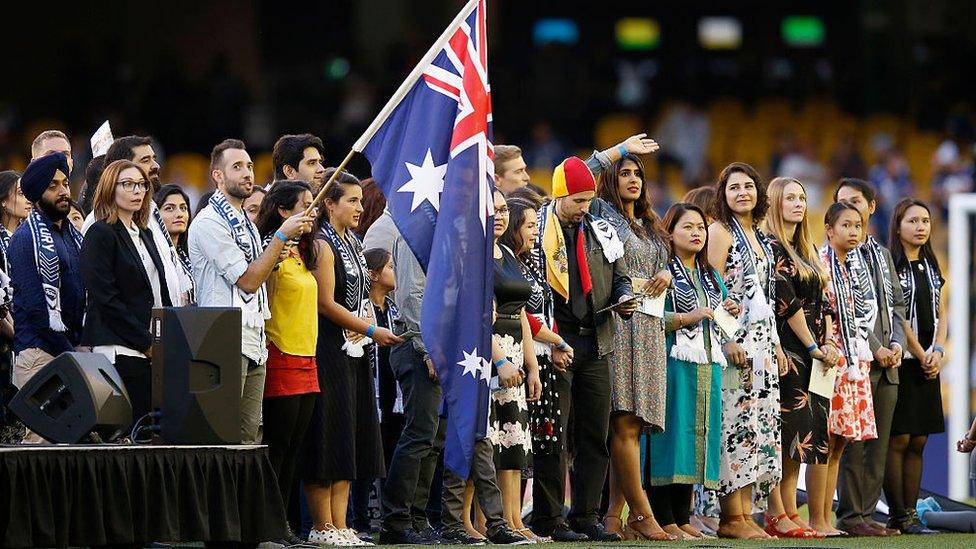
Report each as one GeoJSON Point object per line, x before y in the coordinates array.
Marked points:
{"type": "Point", "coordinates": [431, 154]}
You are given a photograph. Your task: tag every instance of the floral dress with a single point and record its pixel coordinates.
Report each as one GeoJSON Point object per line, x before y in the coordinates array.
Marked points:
{"type": "Point", "coordinates": [852, 407]}
{"type": "Point", "coordinates": [751, 450]}
{"type": "Point", "coordinates": [508, 430]}
{"type": "Point", "coordinates": [804, 414]}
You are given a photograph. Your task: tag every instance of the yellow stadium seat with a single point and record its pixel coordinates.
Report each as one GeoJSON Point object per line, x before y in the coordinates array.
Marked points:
{"type": "Point", "coordinates": [614, 128]}
{"type": "Point", "coordinates": [188, 169]}
{"type": "Point", "coordinates": [263, 169]}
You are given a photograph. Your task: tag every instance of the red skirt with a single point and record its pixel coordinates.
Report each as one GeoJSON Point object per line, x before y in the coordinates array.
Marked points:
{"type": "Point", "coordinates": [289, 374]}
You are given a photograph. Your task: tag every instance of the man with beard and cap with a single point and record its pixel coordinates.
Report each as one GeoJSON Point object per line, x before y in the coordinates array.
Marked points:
{"type": "Point", "coordinates": [52, 141]}
{"type": "Point", "coordinates": [49, 294]}
{"type": "Point", "coordinates": [179, 279]}
{"type": "Point", "coordinates": [299, 157]}
{"type": "Point", "coordinates": [583, 259]}
{"type": "Point", "coordinates": [230, 267]}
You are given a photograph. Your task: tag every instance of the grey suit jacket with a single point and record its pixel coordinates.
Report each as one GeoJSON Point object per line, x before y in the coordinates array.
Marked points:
{"type": "Point", "coordinates": [887, 330]}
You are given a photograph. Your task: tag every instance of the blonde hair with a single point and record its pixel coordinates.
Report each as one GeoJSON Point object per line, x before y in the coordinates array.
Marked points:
{"type": "Point", "coordinates": [504, 153]}
{"type": "Point", "coordinates": [800, 246]}
{"type": "Point", "coordinates": [104, 204]}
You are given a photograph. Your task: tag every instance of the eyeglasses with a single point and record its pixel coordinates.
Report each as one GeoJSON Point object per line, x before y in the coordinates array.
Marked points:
{"type": "Point", "coordinates": [502, 211]}
{"type": "Point", "coordinates": [129, 185]}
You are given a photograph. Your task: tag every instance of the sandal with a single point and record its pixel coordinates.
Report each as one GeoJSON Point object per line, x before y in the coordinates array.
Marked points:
{"type": "Point", "coordinates": [814, 533]}
{"type": "Point", "coordinates": [771, 522]}
{"type": "Point", "coordinates": [726, 524]}
{"type": "Point", "coordinates": [656, 536]}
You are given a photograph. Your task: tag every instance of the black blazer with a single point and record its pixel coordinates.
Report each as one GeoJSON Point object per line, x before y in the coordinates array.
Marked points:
{"type": "Point", "coordinates": [120, 299]}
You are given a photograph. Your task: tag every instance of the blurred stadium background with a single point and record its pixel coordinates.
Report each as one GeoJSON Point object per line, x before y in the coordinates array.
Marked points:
{"type": "Point", "coordinates": [876, 89]}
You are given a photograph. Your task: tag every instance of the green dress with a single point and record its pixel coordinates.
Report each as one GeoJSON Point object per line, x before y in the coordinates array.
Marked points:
{"type": "Point", "coordinates": [687, 451]}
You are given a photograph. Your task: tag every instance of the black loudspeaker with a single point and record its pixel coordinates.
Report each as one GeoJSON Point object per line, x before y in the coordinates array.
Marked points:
{"type": "Point", "coordinates": [74, 395]}
{"type": "Point", "coordinates": [196, 374]}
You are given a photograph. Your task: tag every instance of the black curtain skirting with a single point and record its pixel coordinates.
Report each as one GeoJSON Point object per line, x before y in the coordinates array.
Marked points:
{"type": "Point", "coordinates": [99, 495]}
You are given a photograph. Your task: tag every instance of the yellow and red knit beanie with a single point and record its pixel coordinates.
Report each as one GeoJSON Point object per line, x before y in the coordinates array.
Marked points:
{"type": "Point", "coordinates": [572, 176]}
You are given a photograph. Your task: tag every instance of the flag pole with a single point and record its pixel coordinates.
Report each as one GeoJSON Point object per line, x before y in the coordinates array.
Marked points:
{"type": "Point", "coordinates": [321, 195]}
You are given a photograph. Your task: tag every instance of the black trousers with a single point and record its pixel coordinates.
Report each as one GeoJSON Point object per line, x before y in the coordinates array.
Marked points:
{"type": "Point", "coordinates": [285, 421]}
{"type": "Point", "coordinates": [136, 374]}
{"type": "Point", "coordinates": [671, 503]}
{"type": "Point", "coordinates": [584, 404]}
{"type": "Point", "coordinates": [408, 480]}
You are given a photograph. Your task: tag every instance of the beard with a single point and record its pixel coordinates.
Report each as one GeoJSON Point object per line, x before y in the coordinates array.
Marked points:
{"type": "Point", "coordinates": [154, 180]}
{"type": "Point", "coordinates": [237, 190]}
{"type": "Point", "coordinates": [57, 210]}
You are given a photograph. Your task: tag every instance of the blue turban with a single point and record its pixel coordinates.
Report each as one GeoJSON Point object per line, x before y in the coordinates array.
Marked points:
{"type": "Point", "coordinates": [39, 174]}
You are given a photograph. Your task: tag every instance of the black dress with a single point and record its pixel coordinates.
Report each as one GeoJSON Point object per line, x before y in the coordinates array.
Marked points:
{"type": "Point", "coordinates": [804, 414]}
{"type": "Point", "coordinates": [919, 407]}
{"type": "Point", "coordinates": [509, 428]}
{"type": "Point", "coordinates": [343, 441]}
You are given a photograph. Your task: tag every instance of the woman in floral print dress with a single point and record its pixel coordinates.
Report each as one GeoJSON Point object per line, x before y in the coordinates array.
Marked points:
{"type": "Point", "coordinates": [803, 321]}
{"type": "Point", "coordinates": [751, 451]}
{"type": "Point", "coordinates": [851, 297]}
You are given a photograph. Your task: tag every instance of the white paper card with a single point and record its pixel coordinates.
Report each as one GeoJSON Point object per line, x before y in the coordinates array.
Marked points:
{"type": "Point", "coordinates": [821, 381]}
{"type": "Point", "coordinates": [653, 306]}
{"type": "Point", "coordinates": [102, 139]}
{"type": "Point", "coordinates": [728, 323]}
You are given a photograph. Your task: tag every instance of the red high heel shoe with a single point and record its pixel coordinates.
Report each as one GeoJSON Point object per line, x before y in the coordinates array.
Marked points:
{"type": "Point", "coordinates": [771, 522]}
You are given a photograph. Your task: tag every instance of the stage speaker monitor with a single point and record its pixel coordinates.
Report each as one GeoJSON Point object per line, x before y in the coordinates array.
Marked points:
{"type": "Point", "coordinates": [196, 374]}
{"type": "Point", "coordinates": [74, 395]}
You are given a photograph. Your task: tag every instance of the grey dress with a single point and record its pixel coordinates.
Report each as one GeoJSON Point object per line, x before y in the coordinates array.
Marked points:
{"type": "Point", "coordinates": [638, 364]}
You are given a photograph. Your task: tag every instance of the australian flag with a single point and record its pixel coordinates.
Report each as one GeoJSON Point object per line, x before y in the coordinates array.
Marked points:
{"type": "Point", "coordinates": [431, 153]}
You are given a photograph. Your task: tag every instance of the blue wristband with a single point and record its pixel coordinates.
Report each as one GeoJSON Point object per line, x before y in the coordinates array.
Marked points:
{"type": "Point", "coordinates": [812, 347]}
{"type": "Point", "coordinates": [281, 236]}
{"type": "Point", "coordinates": [562, 345]}
{"type": "Point", "coordinates": [622, 150]}
{"type": "Point", "coordinates": [938, 349]}
{"type": "Point", "coordinates": [500, 362]}
{"type": "Point", "coordinates": [370, 330]}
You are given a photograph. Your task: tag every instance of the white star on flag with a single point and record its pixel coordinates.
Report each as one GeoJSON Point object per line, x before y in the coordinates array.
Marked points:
{"type": "Point", "coordinates": [426, 182]}
{"type": "Point", "coordinates": [472, 364]}
{"type": "Point", "coordinates": [486, 371]}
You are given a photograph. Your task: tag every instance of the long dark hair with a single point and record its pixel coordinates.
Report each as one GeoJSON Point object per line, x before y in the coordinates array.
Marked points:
{"type": "Point", "coordinates": [722, 210]}
{"type": "Point", "coordinates": [517, 208]}
{"type": "Point", "coordinates": [284, 195]}
{"type": "Point", "coordinates": [160, 197]}
{"type": "Point", "coordinates": [671, 218]}
{"type": "Point", "coordinates": [373, 205]}
{"type": "Point", "coordinates": [608, 189]}
{"type": "Point", "coordinates": [8, 182]}
{"type": "Point", "coordinates": [895, 245]}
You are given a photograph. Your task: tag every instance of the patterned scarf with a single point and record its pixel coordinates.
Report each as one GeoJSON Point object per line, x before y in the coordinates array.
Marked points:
{"type": "Point", "coordinates": [856, 307]}
{"type": "Point", "coordinates": [353, 264]}
{"type": "Point", "coordinates": [391, 315]}
{"type": "Point", "coordinates": [540, 303]}
{"type": "Point", "coordinates": [254, 309]}
{"type": "Point", "coordinates": [874, 251]}
{"type": "Point", "coordinates": [689, 342]}
{"type": "Point", "coordinates": [907, 280]}
{"type": "Point", "coordinates": [48, 264]}
{"type": "Point", "coordinates": [176, 265]}
{"type": "Point", "coordinates": [554, 246]}
{"type": "Point", "coordinates": [757, 303]}
{"type": "Point", "coordinates": [4, 239]}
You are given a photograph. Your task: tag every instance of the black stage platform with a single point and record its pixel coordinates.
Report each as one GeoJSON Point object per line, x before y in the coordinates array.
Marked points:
{"type": "Point", "coordinates": [78, 495]}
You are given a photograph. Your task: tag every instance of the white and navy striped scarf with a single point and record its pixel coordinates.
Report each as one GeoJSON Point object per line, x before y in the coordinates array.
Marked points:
{"type": "Point", "coordinates": [353, 264]}
{"type": "Point", "coordinates": [48, 264]}
{"type": "Point", "coordinates": [689, 342]}
{"type": "Point", "coordinates": [876, 254]}
{"type": "Point", "coordinates": [907, 280]}
{"type": "Point", "coordinates": [855, 319]}
{"type": "Point", "coordinates": [254, 307]}
{"type": "Point", "coordinates": [756, 299]}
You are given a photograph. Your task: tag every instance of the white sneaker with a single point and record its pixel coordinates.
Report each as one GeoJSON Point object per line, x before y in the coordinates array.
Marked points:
{"type": "Point", "coordinates": [331, 536]}
{"type": "Point", "coordinates": [351, 536]}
